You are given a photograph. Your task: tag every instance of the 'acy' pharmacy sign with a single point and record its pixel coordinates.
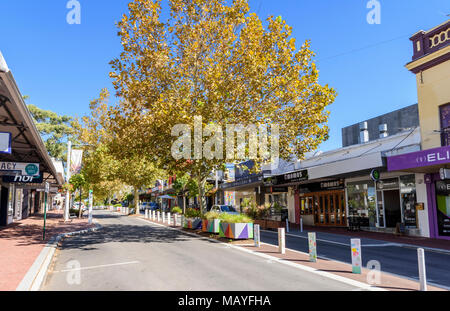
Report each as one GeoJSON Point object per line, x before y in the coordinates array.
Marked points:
{"type": "Point", "coordinates": [25, 169]}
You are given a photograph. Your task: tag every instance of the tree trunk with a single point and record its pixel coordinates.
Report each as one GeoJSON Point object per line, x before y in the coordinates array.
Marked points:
{"type": "Point", "coordinates": [136, 201]}
{"type": "Point", "coordinates": [184, 204]}
{"type": "Point", "coordinates": [201, 188]}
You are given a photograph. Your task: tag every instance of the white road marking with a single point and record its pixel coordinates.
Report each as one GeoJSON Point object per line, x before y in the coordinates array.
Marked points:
{"type": "Point", "coordinates": [294, 265]}
{"type": "Point", "coordinates": [99, 266]}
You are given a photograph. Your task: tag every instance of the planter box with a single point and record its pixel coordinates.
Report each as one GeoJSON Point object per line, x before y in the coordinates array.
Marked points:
{"type": "Point", "coordinates": [193, 223]}
{"type": "Point", "coordinates": [236, 231]}
{"type": "Point", "coordinates": [211, 226]}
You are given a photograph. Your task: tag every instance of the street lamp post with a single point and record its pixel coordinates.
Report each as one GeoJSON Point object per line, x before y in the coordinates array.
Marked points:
{"type": "Point", "coordinates": [66, 210]}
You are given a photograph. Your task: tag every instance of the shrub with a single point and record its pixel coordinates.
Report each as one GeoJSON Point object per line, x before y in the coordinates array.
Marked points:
{"type": "Point", "coordinates": [192, 213]}
{"type": "Point", "coordinates": [117, 205]}
{"type": "Point", "coordinates": [176, 210]}
{"type": "Point", "coordinates": [233, 219]}
{"type": "Point", "coordinates": [211, 215]}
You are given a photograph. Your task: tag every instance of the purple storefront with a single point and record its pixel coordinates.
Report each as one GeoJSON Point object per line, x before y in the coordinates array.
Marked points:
{"type": "Point", "coordinates": [438, 189]}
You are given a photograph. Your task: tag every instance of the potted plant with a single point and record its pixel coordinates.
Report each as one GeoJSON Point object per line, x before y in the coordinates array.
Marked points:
{"type": "Point", "coordinates": [235, 226]}
{"type": "Point", "coordinates": [211, 222]}
{"type": "Point", "coordinates": [193, 219]}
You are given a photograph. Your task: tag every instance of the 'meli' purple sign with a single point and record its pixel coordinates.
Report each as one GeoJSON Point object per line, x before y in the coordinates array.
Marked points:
{"type": "Point", "coordinates": [419, 159]}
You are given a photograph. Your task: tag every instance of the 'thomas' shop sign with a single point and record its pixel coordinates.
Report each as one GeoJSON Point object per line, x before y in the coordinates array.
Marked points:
{"type": "Point", "coordinates": [25, 169]}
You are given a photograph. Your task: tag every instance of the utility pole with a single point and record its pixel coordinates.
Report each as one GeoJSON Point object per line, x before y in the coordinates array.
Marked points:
{"type": "Point", "coordinates": [67, 207]}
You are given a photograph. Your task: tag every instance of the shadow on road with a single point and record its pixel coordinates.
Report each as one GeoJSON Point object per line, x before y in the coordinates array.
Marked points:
{"type": "Point", "coordinates": [121, 233]}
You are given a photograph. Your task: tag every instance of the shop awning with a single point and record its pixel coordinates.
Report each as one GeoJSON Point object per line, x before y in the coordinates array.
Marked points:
{"type": "Point", "coordinates": [26, 142]}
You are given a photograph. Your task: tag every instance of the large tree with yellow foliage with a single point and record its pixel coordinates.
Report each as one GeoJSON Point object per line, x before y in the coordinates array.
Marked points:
{"type": "Point", "coordinates": [217, 61]}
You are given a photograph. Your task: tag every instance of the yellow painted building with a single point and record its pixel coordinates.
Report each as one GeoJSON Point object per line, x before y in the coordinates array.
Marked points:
{"type": "Point", "coordinates": [431, 65]}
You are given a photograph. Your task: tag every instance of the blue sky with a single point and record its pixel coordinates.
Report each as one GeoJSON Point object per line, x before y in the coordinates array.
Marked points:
{"type": "Point", "coordinates": [62, 67]}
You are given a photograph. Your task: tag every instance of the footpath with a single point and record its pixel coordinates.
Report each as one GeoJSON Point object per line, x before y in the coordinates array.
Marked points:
{"type": "Point", "coordinates": [22, 242]}
{"type": "Point", "coordinates": [326, 267]}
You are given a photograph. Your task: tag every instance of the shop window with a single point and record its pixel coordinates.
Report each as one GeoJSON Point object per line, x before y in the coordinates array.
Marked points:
{"type": "Point", "coordinates": [361, 202]}
{"type": "Point", "coordinates": [408, 195]}
{"type": "Point", "coordinates": [445, 124]}
{"type": "Point", "coordinates": [443, 207]}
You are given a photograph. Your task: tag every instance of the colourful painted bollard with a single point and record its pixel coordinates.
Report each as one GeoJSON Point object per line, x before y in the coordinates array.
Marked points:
{"type": "Point", "coordinates": [312, 246]}
{"type": "Point", "coordinates": [356, 255]}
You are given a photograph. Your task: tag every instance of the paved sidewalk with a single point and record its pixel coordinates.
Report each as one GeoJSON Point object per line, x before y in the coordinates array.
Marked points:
{"type": "Point", "coordinates": [387, 281]}
{"type": "Point", "coordinates": [21, 243]}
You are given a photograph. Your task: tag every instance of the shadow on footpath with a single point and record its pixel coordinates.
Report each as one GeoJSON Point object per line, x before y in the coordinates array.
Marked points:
{"type": "Point", "coordinates": [121, 233]}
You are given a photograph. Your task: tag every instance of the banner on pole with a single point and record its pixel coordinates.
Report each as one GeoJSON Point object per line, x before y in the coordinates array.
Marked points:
{"type": "Point", "coordinates": [356, 255]}
{"type": "Point", "coordinates": [312, 246]}
{"type": "Point", "coordinates": [75, 161]}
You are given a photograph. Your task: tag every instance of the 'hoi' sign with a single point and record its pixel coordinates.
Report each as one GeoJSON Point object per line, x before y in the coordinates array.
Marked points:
{"type": "Point", "coordinates": [356, 255]}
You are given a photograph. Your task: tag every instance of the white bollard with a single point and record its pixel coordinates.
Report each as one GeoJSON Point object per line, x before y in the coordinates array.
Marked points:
{"type": "Point", "coordinates": [287, 225]}
{"type": "Point", "coordinates": [146, 214]}
{"type": "Point", "coordinates": [422, 270]}
{"type": "Point", "coordinates": [164, 217]}
{"type": "Point", "coordinates": [281, 241]}
{"type": "Point", "coordinates": [168, 218]}
{"type": "Point", "coordinates": [158, 214]}
{"type": "Point", "coordinates": [175, 222]}
{"type": "Point", "coordinates": [301, 224]}
{"type": "Point", "coordinates": [257, 236]}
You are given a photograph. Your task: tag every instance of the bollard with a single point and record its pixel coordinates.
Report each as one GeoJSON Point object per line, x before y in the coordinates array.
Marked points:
{"type": "Point", "coordinates": [312, 246]}
{"type": "Point", "coordinates": [164, 217]}
{"type": "Point", "coordinates": [356, 255]}
{"type": "Point", "coordinates": [281, 241]}
{"type": "Point", "coordinates": [257, 237]}
{"type": "Point", "coordinates": [287, 225]}
{"type": "Point", "coordinates": [301, 224]}
{"type": "Point", "coordinates": [422, 270]}
{"type": "Point", "coordinates": [158, 215]}
{"type": "Point", "coordinates": [168, 218]}
{"type": "Point", "coordinates": [146, 214]}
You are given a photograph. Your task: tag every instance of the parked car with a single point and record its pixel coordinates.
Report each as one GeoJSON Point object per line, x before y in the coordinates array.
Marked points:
{"type": "Point", "coordinates": [143, 206]}
{"type": "Point", "coordinates": [76, 205]}
{"type": "Point", "coordinates": [229, 209]}
{"type": "Point", "coordinates": [153, 206]}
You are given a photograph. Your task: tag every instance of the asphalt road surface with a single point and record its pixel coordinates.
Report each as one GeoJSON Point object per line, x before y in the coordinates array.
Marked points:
{"type": "Point", "coordinates": [393, 258]}
{"type": "Point", "coordinates": [130, 254]}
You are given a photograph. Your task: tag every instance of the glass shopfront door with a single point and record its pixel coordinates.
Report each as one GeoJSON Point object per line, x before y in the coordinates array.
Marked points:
{"type": "Point", "coordinates": [327, 207]}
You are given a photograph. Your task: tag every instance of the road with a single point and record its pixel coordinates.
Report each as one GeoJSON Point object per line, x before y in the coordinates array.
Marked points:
{"type": "Point", "coordinates": [393, 258]}
{"type": "Point", "coordinates": [131, 254]}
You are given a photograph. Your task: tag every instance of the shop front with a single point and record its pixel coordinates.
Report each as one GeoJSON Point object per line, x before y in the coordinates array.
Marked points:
{"type": "Point", "coordinates": [437, 201]}
{"type": "Point", "coordinates": [322, 203]}
{"type": "Point", "coordinates": [384, 204]}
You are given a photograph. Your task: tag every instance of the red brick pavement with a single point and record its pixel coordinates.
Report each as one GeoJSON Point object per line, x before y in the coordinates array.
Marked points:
{"type": "Point", "coordinates": [21, 243]}
{"type": "Point", "coordinates": [413, 240]}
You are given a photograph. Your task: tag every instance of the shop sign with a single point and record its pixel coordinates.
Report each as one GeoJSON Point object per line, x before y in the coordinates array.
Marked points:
{"type": "Point", "coordinates": [336, 184]}
{"type": "Point", "coordinates": [29, 169]}
{"type": "Point", "coordinates": [278, 189]}
{"type": "Point", "coordinates": [419, 159]}
{"type": "Point", "coordinates": [23, 179]}
{"type": "Point", "coordinates": [375, 175]}
{"type": "Point", "coordinates": [5, 142]}
{"type": "Point", "coordinates": [296, 176]}
{"type": "Point", "coordinates": [444, 173]}
{"type": "Point", "coordinates": [243, 181]}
